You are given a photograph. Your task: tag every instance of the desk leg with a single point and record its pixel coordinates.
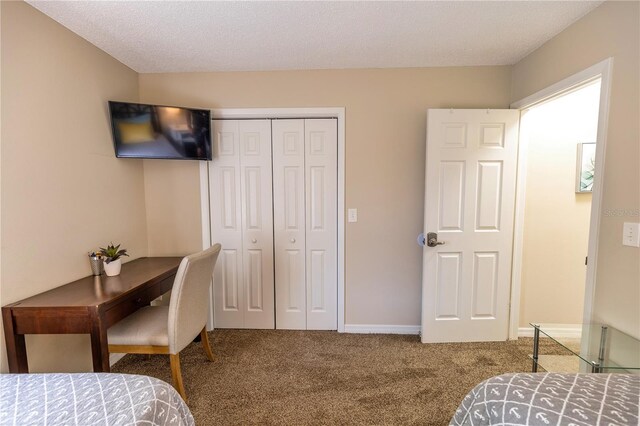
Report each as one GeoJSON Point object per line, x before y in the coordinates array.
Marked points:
{"type": "Point", "coordinates": [99, 343]}
{"type": "Point", "coordinates": [16, 346]}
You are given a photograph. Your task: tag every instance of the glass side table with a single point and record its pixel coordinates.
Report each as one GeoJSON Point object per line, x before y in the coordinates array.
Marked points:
{"type": "Point", "coordinates": [602, 348]}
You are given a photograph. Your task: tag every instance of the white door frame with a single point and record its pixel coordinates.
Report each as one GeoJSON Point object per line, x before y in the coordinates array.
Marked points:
{"type": "Point", "coordinates": [245, 113]}
{"type": "Point", "coordinates": [602, 70]}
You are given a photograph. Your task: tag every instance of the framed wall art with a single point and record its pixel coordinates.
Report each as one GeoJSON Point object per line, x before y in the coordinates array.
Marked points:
{"type": "Point", "coordinates": [585, 167]}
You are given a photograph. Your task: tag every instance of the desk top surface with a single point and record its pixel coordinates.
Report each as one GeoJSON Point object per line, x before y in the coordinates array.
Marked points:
{"type": "Point", "coordinates": [98, 290]}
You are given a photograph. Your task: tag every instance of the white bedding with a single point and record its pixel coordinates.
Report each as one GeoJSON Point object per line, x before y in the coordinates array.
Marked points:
{"type": "Point", "coordinates": [89, 399]}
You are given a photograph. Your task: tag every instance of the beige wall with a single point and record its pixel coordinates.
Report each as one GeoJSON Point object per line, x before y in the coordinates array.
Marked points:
{"type": "Point", "coordinates": [63, 190]}
{"type": "Point", "coordinates": [172, 195]}
{"type": "Point", "coordinates": [385, 157]}
{"type": "Point", "coordinates": [556, 220]}
{"type": "Point", "coordinates": [611, 30]}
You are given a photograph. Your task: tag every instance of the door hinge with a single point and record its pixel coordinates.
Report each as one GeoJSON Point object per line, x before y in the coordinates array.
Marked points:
{"type": "Point", "coordinates": [586, 259]}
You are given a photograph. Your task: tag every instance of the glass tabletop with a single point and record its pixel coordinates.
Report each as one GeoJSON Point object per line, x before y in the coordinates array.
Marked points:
{"type": "Point", "coordinates": [601, 345]}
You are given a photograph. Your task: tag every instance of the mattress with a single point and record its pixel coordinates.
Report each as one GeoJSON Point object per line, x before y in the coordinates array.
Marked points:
{"type": "Point", "coordinates": [552, 399]}
{"type": "Point", "coordinates": [89, 399]}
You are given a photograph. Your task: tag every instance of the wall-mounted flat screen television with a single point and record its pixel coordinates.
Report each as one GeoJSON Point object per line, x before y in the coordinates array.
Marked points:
{"type": "Point", "coordinates": [155, 131]}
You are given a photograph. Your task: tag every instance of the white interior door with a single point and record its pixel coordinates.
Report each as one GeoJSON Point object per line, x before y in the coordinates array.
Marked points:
{"type": "Point", "coordinates": [469, 202]}
{"type": "Point", "coordinates": [241, 219]}
{"type": "Point", "coordinates": [321, 170]}
{"type": "Point", "coordinates": [289, 223]}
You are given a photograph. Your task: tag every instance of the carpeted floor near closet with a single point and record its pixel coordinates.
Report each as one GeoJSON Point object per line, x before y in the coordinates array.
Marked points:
{"type": "Point", "coordinates": [271, 377]}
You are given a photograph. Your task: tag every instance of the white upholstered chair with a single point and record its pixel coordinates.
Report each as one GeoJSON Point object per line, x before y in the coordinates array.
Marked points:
{"type": "Point", "coordinates": [169, 329]}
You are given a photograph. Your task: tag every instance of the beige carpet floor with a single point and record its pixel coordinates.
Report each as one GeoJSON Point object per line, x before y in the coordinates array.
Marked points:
{"type": "Point", "coordinates": [271, 377]}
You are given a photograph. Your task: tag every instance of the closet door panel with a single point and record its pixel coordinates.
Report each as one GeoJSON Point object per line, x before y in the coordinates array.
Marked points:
{"type": "Point", "coordinates": [226, 224]}
{"type": "Point", "coordinates": [289, 223]}
{"type": "Point", "coordinates": [321, 145]}
{"type": "Point", "coordinates": [257, 222]}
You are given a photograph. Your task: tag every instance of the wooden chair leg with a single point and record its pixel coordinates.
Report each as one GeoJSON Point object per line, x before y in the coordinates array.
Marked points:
{"type": "Point", "coordinates": [176, 375]}
{"type": "Point", "coordinates": [205, 344]}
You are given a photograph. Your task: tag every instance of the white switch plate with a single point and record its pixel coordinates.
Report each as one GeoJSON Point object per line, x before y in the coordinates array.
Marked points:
{"type": "Point", "coordinates": [631, 234]}
{"type": "Point", "coordinates": [352, 215]}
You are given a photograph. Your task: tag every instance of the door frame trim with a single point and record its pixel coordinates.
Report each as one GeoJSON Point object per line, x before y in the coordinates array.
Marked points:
{"type": "Point", "coordinates": [270, 113]}
{"type": "Point", "coordinates": [604, 71]}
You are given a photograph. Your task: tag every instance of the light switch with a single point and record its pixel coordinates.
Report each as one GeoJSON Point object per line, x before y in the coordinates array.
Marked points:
{"type": "Point", "coordinates": [352, 215]}
{"type": "Point", "coordinates": [631, 234]}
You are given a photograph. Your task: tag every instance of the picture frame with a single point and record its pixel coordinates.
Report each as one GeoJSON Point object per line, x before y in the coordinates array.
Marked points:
{"type": "Point", "coordinates": [585, 167]}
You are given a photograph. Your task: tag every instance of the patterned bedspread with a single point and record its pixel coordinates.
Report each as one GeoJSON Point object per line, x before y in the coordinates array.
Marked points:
{"type": "Point", "coordinates": [89, 399]}
{"type": "Point", "coordinates": [552, 399]}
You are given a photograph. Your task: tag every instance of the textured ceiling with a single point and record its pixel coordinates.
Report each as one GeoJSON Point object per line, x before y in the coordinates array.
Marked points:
{"type": "Point", "coordinates": [151, 36]}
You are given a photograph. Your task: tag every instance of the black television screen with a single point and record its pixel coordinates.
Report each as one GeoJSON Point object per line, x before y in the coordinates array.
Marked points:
{"type": "Point", "coordinates": [154, 131]}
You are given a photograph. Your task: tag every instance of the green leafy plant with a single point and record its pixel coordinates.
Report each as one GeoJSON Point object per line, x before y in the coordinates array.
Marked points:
{"type": "Point", "coordinates": [112, 253]}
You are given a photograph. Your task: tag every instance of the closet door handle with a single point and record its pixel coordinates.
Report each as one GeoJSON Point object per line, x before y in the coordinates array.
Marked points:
{"type": "Point", "coordinates": [253, 240]}
{"type": "Point", "coordinates": [293, 240]}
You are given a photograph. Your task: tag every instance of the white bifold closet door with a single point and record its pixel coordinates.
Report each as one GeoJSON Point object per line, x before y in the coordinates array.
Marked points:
{"type": "Point", "coordinates": [305, 223]}
{"type": "Point", "coordinates": [242, 221]}
{"type": "Point", "coordinates": [289, 223]}
{"type": "Point", "coordinates": [277, 225]}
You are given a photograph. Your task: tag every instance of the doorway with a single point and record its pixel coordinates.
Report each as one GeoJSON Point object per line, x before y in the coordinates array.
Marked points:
{"type": "Point", "coordinates": [591, 86]}
{"type": "Point", "coordinates": [560, 138]}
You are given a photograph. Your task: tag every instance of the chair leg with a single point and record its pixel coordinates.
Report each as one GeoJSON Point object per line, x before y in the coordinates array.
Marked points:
{"type": "Point", "coordinates": [176, 375]}
{"type": "Point", "coordinates": [205, 344]}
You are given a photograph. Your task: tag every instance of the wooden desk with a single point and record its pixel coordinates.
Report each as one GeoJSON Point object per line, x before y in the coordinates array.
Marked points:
{"type": "Point", "coordinates": [88, 305]}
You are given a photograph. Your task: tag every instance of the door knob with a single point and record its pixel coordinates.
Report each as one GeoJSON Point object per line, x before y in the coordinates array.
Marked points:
{"type": "Point", "coordinates": [253, 240]}
{"type": "Point", "coordinates": [293, 240]}
{"type": "Point", "coordinates": [432, 240]}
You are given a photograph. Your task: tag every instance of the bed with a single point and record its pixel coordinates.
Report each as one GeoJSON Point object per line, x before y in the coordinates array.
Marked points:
{"type": "Point", "coordinates": [89, 399]}
{"type": "Point", "coordinates": [552, 399]}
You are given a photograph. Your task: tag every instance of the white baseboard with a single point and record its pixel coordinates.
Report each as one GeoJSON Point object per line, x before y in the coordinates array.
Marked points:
{"type": "Point", "coordinates": [381, 329]}
{"type": "Point", "coordinates": [113, 358]}
{"type": "Point", "coordinates": [559, 330]}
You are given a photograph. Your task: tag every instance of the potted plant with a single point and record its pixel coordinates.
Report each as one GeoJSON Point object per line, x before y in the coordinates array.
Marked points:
{"type": "Point", "coordinates": [111, 256]}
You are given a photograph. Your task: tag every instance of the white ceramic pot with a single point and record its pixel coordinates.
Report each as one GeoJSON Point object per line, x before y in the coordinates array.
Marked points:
{"type": "Point", "coordinates": [113, 268]}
